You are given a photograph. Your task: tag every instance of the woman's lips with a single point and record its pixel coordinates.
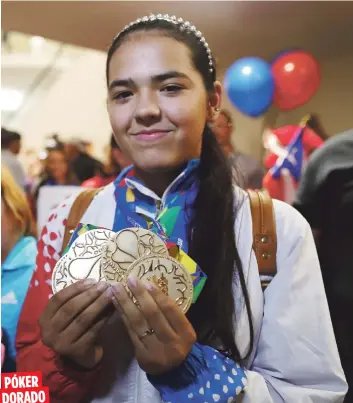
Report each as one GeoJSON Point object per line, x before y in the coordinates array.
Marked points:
{"type": "Point", "coordinates": [153, 136]}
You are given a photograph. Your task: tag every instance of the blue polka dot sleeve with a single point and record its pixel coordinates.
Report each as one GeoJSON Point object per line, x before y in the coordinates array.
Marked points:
{"type": "Point", "coordinates": [206, 376]}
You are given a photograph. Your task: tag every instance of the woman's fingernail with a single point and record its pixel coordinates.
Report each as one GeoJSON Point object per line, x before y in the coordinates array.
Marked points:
{"type": "Point", "coordinates": [149, 286]}
{"type": "Point", "coordinates": [109, 292]}
{"type": "Point", "coordinates": [132, 281]}
{"type": "Point", "coordinates": [89, 281]}
{"type": "Point", "coordinates": [117, 288]}
{"type": "Point", "coordinates": [102, 285]}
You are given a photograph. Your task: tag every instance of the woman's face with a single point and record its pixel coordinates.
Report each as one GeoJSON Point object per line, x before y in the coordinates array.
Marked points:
{"type": "Point", "coordinates": [56, 165]}
{"type": "Point", "coordinates": [157, 102]}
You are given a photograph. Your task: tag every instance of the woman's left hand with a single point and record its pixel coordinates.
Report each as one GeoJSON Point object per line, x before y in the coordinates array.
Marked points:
{"type": "Point", "coordinates": [161, 333]}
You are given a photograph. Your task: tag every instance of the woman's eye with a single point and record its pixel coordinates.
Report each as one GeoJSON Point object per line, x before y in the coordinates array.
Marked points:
{"type": "Point", "coordinates": [172, 88]}
{"type": "Point", "coordinates": [123, 95]}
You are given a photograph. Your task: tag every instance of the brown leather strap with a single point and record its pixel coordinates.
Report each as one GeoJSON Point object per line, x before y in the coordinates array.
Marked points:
{"type": "Point", "coordinates": [78, 208]}
{"type": "Point", "coordinates": [264, 231]}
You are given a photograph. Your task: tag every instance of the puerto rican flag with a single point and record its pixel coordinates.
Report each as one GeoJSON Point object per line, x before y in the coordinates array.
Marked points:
{"type": "Point", "coordinates": [282, 179]}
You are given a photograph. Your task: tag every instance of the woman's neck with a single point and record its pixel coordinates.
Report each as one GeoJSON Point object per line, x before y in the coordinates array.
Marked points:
{"type": "Point", "coordinates": [60, 180]}
{"type": "Point", "coordinates": [158, 181]}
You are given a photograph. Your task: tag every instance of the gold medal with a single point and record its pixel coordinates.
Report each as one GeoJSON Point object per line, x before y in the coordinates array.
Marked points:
{"type": "Point", "coordinates": [125, 247]}
{"type": "Point", "coordinates": [82, 260]}
{"type": "Point", "coordinates": [59, 278]}
{"type": "Point", "coordinates": [167, 274]}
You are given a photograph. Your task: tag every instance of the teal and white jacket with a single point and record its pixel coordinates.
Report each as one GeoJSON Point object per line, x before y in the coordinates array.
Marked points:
{"type": "Point", "coordinates": [16, 274]}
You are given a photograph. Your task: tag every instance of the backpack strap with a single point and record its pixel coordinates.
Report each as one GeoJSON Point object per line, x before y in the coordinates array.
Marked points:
{"type": "Point", "coordinates": [78, 208]}
{"type": "Point", "coordinates": [264, 233]}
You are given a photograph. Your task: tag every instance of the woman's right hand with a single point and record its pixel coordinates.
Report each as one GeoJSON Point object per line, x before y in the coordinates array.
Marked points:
{"type": "Point", "coordinates": [71, 321]}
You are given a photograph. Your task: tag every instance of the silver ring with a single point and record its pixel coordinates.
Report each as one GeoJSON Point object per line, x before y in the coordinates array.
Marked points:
{"type": "Point", "coordinates": [148, 332]}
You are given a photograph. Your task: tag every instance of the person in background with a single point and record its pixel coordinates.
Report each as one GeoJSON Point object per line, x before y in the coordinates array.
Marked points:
{"type": "Point", "coordinates": [325, 199]}
{"type": "Point", "coordinates": [248, 172]}
{"type": "Point", "coordinates": [276, 144]}
{"type": "Point", "coordinates": [81, 164]}
{"type": "Point", "coordinates": [117, 162]}
{"type": "Point", "coordinates": [314, 123]}
{"type": "Point", "coordinates": [8, 363]}
{"type": "Point", "coordinates": [18, 255]}
{"type": "Point", "coordinates": [10, 148]}
{"type": "Point", "coordinates": [56, 171]}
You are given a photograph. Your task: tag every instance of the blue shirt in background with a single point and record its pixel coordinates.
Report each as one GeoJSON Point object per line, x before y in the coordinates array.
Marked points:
{"type": "Point", "coordinates": [16, 274]}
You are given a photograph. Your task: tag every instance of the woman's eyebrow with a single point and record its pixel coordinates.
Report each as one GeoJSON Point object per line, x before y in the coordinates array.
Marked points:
{"type": "Point", "coordinates": [158, 78]}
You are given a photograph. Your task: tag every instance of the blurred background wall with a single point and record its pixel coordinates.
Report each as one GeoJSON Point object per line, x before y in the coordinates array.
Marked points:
{"type": "Point", "coordinates": [53, 61]}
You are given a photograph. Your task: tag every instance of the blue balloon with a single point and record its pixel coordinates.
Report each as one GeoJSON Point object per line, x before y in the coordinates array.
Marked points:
{"type": "Point", "coordinates": [249, 85]}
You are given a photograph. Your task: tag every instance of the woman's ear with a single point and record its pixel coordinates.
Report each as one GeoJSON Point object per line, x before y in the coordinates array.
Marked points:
{"type": "Point", "coordinates": [214, 102]}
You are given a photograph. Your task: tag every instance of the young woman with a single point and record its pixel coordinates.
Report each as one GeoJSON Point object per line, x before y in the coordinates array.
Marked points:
{"type": "Point", "coordinates": [162, 94]}
{"type": "Point", "coordinates": [56, 170]}
{"type": "Point", "coordinates": [18, 258]}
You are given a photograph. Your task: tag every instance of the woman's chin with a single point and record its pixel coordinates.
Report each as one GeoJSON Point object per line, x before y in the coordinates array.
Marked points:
{"type": "Point", "coordinates": [160, 164]}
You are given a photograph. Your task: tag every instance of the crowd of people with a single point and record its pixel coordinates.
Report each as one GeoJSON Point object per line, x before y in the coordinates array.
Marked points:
{"type": "Point", "coordinates": [61, 163]}
{"type": "Point", "coordinates": [274, 346]}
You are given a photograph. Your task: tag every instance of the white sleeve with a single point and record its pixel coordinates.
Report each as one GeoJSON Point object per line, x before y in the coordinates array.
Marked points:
{"type": "Point", "coordinates": [296, 357]}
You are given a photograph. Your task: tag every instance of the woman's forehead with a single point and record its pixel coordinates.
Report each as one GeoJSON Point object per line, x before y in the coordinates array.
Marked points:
{"type": "Point", "coordinates": [149, 54]}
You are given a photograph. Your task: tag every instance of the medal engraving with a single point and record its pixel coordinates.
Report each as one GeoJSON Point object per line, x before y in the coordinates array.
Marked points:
{"type": "Point", "coordinates": [125, 247]}
{"type": "Point", "coordinates": [82, 260]}
{"type": "Point", "coordinates": [167, 274]}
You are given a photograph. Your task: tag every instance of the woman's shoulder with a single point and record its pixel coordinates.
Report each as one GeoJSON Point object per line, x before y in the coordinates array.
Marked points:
{"type": "Point", "coordinates": [290, 225]}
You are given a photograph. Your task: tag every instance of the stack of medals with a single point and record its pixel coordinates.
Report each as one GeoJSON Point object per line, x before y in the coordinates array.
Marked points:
{"type": "Point", "coordinates": [104, 255]}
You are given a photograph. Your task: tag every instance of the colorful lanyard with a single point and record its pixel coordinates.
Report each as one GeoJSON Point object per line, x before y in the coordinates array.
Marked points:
{"type": "Point", "coordinates": [136, 208]}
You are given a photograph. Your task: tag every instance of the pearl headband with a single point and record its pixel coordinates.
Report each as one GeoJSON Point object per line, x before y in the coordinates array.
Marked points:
{"type": "Point", "coordinates": [184, 26]}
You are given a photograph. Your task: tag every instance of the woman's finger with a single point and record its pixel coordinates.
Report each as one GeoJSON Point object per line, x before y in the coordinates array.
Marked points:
{"type": "Point", "coordinates": [92, 352]}
{"type": "Point", "coordinates": [127, 307]}
{"type": "Point", "coordinates": [92, 314]}
{"type": "Point", "coordinates": [72, 308]}
{"type": "Point", "coordinates": [151, 311]}
{"type": "Point", "coordinates": [138, 343]}
{"type": "Point", "coordinates": [65, 295]}
{"type": "Point", "coordinates": [174, 315]}
{"type": "Point", "coordinates": [91, 334]}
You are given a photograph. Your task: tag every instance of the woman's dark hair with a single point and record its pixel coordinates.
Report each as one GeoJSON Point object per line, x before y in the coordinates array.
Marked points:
{"type": "Point", "coordinates": [212, 244]}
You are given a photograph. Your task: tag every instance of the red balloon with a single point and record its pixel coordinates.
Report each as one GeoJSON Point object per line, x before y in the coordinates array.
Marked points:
{"type": "Point", "coordinates": [297, 77]}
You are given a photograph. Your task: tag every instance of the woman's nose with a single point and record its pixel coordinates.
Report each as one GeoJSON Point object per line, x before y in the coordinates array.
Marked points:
{"type": "Point", "coordinates": [147, 109]}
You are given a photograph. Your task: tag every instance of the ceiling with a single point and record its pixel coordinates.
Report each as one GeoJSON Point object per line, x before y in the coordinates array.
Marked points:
{"type": "Point", "coordinates": [30, 66]}
{"type": "Point", "coordinates": [233, 29]}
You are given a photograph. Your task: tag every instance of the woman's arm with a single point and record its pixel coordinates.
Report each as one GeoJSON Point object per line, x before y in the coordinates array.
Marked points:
{"type": "Point", "coordinates": [296, 359]}
{"type": "Point", "coordinates": [65, 383]}
{"type": "Point", "coordinates": [205, 376]}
